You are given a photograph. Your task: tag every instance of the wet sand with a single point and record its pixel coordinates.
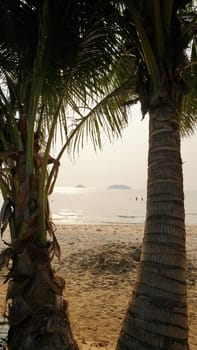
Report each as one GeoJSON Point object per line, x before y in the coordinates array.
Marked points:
{"type": "Point", "coordinates": [99, 265]}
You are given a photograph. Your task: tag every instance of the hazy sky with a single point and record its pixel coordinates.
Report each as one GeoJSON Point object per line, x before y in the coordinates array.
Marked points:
{"type": "Point", "coordinates": [124, 161]}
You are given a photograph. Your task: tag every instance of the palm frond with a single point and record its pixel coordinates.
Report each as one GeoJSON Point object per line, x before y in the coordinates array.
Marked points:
{"type": "Point", "coordinates": [159, 35]}
{"type": "Point", "coordinates": [148, 54]}
{"type": "Point", "coordinates": [97, 70]}
{"type": "Point", "coordinates": [100, 119]}
{"type": "Point", "coordinates": [9, 116]}
{"type": "Point", "coordinates": [167, 15]}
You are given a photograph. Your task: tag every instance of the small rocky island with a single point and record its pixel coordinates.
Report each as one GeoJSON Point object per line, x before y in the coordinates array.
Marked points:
{"type": "Point", "coordinates": [119, 187]}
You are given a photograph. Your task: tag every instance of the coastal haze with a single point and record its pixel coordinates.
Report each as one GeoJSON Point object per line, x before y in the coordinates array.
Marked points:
{"type": "Point", "coordinates": [79, 205]}
{"type": "Point", "coordinates": [123, 161]}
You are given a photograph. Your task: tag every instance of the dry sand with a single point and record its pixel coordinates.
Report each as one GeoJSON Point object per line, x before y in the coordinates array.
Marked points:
{"type": "Point", "coordinates": [99, 265]}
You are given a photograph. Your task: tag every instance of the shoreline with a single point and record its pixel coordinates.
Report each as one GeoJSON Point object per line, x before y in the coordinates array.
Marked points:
{"type": "Point", "coordinates": [93, 222]}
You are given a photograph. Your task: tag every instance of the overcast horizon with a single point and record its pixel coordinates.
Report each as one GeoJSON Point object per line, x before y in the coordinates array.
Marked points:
{"type": "Point", "coordinates": [124, 161]}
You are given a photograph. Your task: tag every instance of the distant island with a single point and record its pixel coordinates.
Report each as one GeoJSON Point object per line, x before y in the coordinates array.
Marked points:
{"type": "Point", "coordinates": [119, 187]}
{"type": "Point", "coordinates": [80, 186]}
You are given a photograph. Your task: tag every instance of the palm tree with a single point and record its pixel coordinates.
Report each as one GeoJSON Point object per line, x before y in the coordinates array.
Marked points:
{"type": "Point", "coordinates": [53, 58]}
{"type": "Point", "coordinates": [161, 43]}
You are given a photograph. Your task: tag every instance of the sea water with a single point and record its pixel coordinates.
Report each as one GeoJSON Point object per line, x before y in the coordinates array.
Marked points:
{"type": "Point", "coordinates": [76, 205]}
{"type": "Point", "coordinates": [107, 206]}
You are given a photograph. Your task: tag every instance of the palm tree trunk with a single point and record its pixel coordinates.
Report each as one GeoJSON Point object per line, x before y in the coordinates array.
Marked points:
{"type": "Point", "coordinates": [37, 314]}
{"type": "Point", "coordinates": [156, 318]}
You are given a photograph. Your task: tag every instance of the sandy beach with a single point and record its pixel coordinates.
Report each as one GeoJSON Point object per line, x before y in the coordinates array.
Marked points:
{"type": "Point", "coordinates": [99, 265]}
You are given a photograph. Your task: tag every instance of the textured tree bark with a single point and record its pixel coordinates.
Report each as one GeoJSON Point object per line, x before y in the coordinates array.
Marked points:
{"type": "Point", "coordinates": [37, 314]}
{"type": "Point", "coordinates": [156, 318]}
